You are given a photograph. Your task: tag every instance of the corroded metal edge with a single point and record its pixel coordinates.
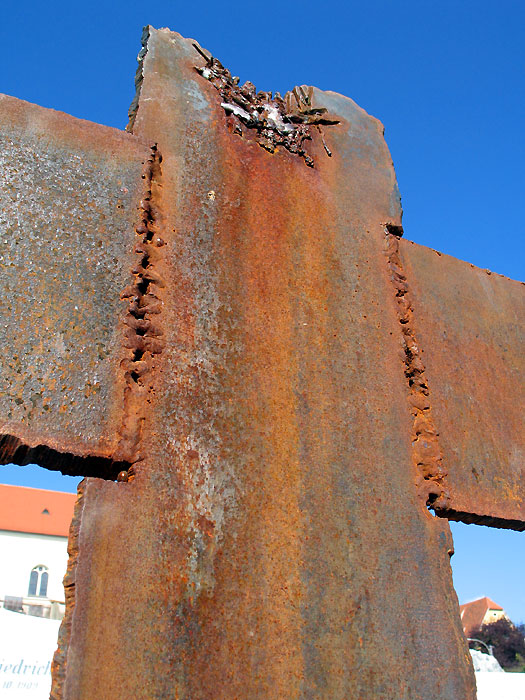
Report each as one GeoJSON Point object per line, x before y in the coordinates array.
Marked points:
{"type": "Point", "coordinates": [273, 121]}
{"type": "Point", "coordinates": [480, 519]}
{"type": "Point", "coordinates": [59, 664]}
{"type": "Point", "coordinates": [14, 450]}
{"type": "Point", "coordinates": [139, 79]}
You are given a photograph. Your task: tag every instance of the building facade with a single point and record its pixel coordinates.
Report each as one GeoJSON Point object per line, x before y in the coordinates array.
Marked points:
{"type": "Point", "coordinates": [479, 612]}
{"type": "Point", "coordinates": [34, 526]}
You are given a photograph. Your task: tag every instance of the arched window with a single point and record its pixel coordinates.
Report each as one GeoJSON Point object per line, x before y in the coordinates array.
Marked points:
{"type": "Point", "coordinates": [38, 581]}
{"type": "Point", "coordinates": [43, 583]}
{"type": "Point", "coordinates": [33, 582]}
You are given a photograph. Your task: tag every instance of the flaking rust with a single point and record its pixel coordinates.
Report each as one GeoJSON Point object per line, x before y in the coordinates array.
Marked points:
{"type": "Point", "coordinates": [274, 120]}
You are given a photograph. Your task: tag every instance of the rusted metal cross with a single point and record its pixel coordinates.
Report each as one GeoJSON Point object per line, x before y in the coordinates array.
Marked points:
{"type": "Point", "coordinates": [282, 384]}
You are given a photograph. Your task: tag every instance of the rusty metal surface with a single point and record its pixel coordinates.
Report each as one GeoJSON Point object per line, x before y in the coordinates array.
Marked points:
{"type": "Point", "coordinates": [272, 542]}
{"type": "Point", "coordinates": [470, 325]}
{"type": "Point", "coordinates": [69, 196]}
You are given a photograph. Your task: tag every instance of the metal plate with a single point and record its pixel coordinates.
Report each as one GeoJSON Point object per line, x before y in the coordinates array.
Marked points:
{"type": "Point", "coordinates": [272, 543]}
{"type": "Point", "coordinates": [69, 197]}
{"type": "Point", "coordinates": [470, 326]}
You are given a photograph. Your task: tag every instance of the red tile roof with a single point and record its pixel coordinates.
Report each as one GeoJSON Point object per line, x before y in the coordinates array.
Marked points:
{"type": "Point", "coordinates": [472, 613]}
{"type": "Point", "coordinates": [35, 510]}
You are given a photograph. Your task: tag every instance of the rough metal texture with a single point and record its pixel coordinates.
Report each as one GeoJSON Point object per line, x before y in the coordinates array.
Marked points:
{"type": "Point", "coordinates": [278, 407]}
{"type": "Point", "coordinates": [470, 326]}
{"type": "Point", "coordinates": [69, 199]}
{"type": "Point", "coordinates": [272, 543]}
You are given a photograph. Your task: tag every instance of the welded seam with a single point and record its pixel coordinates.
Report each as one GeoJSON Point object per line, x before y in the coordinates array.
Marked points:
{"type": "Point", "coordinates": [143, 335]}
{"type": "Point", "coordinates": [426, 452]}
{"type": "Point", "coordinates": [59, 663]}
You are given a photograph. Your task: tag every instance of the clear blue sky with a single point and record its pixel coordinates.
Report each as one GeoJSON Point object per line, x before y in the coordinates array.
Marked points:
{"type": "Point", "coordinates": [445, 77]}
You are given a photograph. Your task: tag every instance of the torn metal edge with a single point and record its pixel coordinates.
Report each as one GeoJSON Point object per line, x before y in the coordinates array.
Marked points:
{"type": "Point", "coordinates": [139, 78]}
{"type": "Point", "coordinates": [59, 663]}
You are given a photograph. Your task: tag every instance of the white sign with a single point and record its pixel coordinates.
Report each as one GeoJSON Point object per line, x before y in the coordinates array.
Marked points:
{"type": "Point", "coordinates": [500, 686]}
{"type": "Point", "coordinates": [27, 645]}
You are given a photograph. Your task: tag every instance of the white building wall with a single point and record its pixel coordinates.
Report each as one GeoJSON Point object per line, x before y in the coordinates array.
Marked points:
{"type": "Point", "coordinates": [20, 552]}
{"type": "Point", "coordinates": [493, 616]}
